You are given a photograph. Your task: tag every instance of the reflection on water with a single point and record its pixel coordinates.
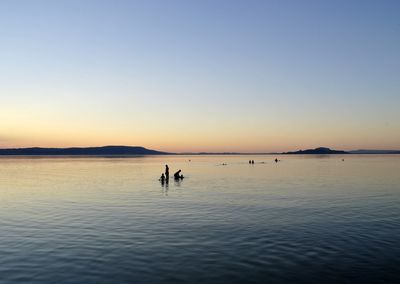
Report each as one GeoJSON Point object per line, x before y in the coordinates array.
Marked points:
{"type": "Point", "coordinates": [306, 219]}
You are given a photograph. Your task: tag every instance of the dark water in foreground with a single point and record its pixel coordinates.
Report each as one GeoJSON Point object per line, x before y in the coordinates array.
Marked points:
{"type": "Point", "coordinates": [308, 219]}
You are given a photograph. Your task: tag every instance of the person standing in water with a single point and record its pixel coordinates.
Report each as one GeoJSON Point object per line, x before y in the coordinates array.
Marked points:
{"type": "Point", "coordinates": [166, 172]}
{"type": "Point", "coordinates": [162, 178]}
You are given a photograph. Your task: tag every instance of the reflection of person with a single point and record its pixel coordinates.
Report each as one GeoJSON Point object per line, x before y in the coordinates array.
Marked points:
{"type": "Point", "coordinates": [177, 175]}
{"type": "Point", "coordinates": [166, 172]}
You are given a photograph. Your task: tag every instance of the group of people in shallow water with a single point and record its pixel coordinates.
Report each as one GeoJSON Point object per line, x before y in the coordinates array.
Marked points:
{"type": "Point", "coordinates": [178, 176]}
{"type": "Point", "coordinates": [165, 177]}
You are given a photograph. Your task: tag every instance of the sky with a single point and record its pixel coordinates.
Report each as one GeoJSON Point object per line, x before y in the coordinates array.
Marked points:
{"type": "Point", "coordinates": [206, 75]}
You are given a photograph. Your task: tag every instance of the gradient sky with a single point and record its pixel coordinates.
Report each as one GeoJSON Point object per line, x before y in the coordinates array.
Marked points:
{"type": "Point", "coordinates": [200, 75]}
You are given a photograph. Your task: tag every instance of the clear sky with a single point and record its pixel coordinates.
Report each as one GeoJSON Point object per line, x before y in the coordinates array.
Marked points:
{"type": "Point", "coordinates": [206, 75]}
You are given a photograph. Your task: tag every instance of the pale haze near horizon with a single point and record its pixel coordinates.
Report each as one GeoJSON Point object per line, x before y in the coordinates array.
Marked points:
{"type": "Point", "coordinates": [248, 76]}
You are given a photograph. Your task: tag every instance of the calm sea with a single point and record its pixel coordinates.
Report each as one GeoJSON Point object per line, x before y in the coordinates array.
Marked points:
{"type": "Point", "coordinates": [306, 219]}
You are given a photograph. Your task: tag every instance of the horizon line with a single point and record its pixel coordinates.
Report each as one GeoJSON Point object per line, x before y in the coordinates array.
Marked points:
{"type": "Point", "coordinates": [196, 152]}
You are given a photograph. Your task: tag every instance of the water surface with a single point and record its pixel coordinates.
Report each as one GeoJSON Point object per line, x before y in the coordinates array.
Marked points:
{"type": "Point", "coordinates": [306, 219]}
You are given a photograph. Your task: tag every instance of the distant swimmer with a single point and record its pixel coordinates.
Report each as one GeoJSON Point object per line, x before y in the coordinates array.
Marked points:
{"type": "Point", "coordinates": [177, 175]}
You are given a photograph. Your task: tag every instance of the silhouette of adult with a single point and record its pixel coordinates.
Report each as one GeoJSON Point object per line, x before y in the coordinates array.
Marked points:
{"type": "Point", "coordinates": [177, 175]}
{"type": "Point", "coordinates": [166, 172]}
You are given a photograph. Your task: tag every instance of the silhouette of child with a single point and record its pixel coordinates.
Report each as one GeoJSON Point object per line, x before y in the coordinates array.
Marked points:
{"type": "Point", "coordinates": [162, 178]}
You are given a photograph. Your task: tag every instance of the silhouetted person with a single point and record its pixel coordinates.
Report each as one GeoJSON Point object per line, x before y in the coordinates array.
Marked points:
{"type": "Point", "coordinates": [252, 161]}
{"type": "Point", "coordinates": [276, 160]}
{"type": "Point", "coordinates": [162, 178]}
{"type": "Point", "coordinates": [177, 175]}
{"type": "Point", "coordinates": [166, 172]}
{"type": "Point", "coordinates": [249, 161]}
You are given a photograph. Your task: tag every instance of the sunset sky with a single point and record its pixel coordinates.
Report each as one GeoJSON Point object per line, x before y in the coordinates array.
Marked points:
{"type": "Point", "coordinates": [250, 76]}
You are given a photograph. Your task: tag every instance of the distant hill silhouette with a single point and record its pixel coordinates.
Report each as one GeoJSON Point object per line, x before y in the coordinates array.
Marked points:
{"type": "Point", "coordinates": [137, 150]}
{"type": "Point", "coordinates": [105, 150]}
{"type": "Point", "coordinates": [320, 150]}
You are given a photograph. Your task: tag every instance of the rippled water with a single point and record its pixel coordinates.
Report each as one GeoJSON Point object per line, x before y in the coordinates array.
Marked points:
{"type": "Point", "coordinates": [307, 219]}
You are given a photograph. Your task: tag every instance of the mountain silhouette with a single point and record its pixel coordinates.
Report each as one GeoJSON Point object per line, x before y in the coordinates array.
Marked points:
{"type": "Point", "coordinates": [105, 150]}
{"type": "Point", "coordinates": [320, 150]}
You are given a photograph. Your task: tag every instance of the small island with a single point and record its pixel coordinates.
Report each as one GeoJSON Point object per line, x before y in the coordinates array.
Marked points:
{"type": "Point", "coordinates": [320, 151]}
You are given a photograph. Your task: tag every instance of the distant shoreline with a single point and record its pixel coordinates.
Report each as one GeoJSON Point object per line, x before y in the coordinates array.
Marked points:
{"type": "Point", "coordinates": [183, 154]}
{"type": "Point", "coordinates": [135, 151]}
